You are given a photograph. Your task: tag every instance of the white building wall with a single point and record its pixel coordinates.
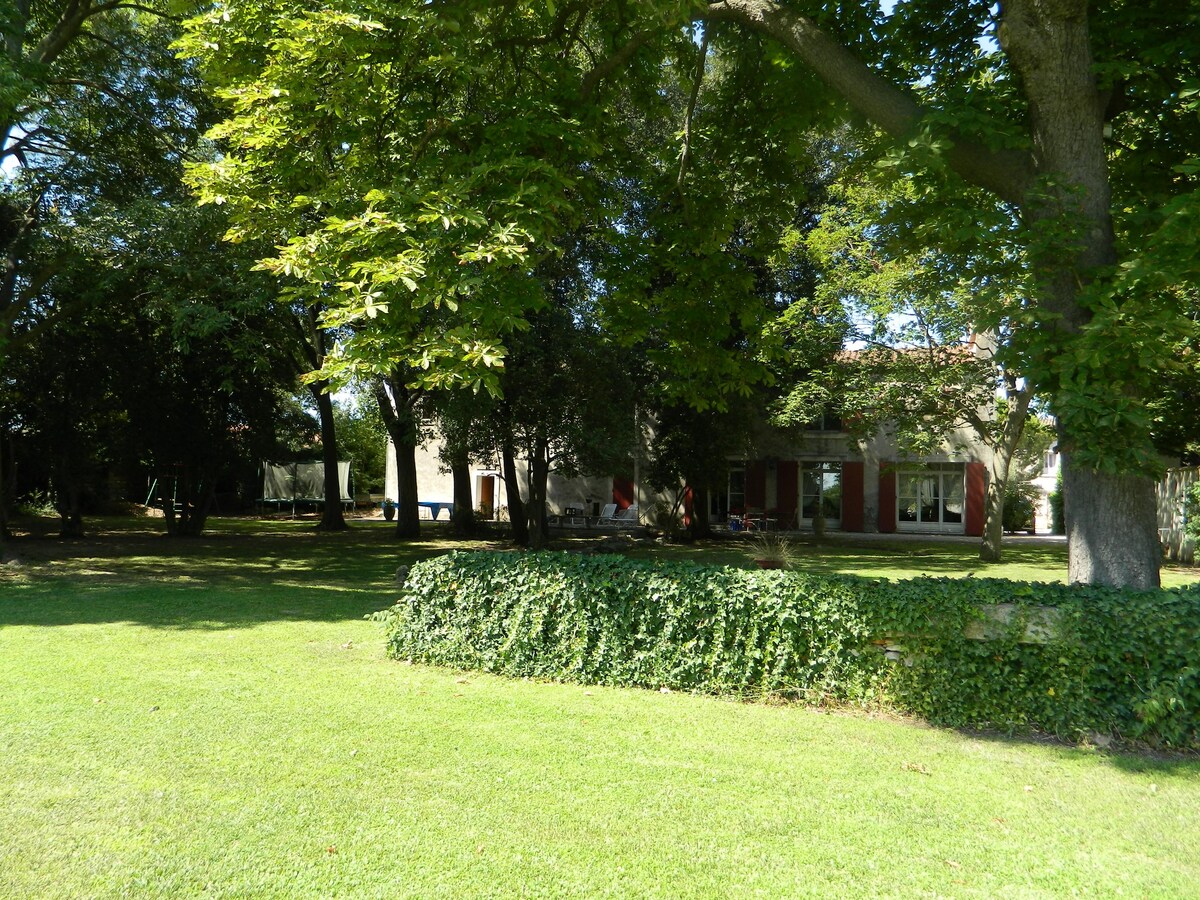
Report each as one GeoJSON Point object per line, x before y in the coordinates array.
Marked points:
{"type": "Point", "coordinates": [437, 485]}
{"type": "Point", "coordinates": [1172, 492]}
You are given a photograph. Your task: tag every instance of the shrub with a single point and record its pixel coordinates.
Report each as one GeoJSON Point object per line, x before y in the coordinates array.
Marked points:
{"type": "Point", "coordinates": [1020, 502]}
{"type": "Point", "coordinates": [1058, 517]}
{"type": "Point", "coordinates": [1117, 662]}
{"type": "Point", "coordinates": [1191, 512]}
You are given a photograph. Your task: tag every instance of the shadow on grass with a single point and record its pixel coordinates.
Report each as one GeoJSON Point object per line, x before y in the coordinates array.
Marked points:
{"type": "Point", "coordinates": [241, 574]}
{"type": "Point", "coordinates": [881, 558]}
{"type": "Point", "coordinates": [1131, 758]}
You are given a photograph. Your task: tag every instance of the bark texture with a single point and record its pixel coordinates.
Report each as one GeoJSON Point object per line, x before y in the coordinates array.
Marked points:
{"type": "Point", "coordinates": [990, 549]}
{"type": "Point", "coordinates": [512, 488]}
{"type": "Point", "coordinates": [535, 508]}
{"type": "Point", "coordinates": [464, 501]}
{"type": "Point", "coordinates": [1112, 532]}
{"type": "Point", "coordinates": [397, 406]}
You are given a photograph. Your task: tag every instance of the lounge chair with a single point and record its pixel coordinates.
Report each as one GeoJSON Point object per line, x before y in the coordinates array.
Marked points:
{"type": "Point", "coordinates": [607, 515]}
{"type": "Point", "coordinates": [627, 516]}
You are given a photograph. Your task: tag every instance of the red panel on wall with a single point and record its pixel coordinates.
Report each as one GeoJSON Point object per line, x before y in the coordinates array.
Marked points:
{"type": "Point", "coordinates": [852, 496]}
{"type": "Point", "coordinates": [887, 497]}
{"type": "Point", "coordinates": [976, 486]}
{"type": "Point", "coordinates": [623, 492]}
{"type": "Point", "coordinates": [756, 485]}
{"type": "Point", "coordinates": [787, 485]}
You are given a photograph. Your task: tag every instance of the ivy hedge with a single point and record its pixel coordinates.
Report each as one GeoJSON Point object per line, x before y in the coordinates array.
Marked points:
{"type": "Point", "coordinates": [964, 652]}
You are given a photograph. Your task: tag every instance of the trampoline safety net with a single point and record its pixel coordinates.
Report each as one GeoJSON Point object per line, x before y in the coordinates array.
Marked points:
{"type": "Point", "coordinates": [302, 481]}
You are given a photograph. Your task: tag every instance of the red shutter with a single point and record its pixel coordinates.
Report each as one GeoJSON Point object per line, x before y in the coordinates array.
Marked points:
{"type": "Point", "coordinates": [976, 487]}
{"type": "Point", "coordinates": [787, 485]}
{"type": "Point", "coordinates": [887, 498]}
{"type": "Point", "coordinates": [623, 492]}
{"type": "Point", "coordinates": [852, 496]}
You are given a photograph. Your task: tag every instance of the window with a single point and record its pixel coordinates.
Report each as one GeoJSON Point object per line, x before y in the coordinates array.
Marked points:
{"type": "Point", "coordinates": [931, 498]}
{"type": "Point", "coordinates": [827, 421]}
{"type": "Point", "coordinates": [821, 490]}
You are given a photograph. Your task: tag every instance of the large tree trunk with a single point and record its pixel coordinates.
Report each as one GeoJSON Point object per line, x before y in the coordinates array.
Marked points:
{"type": "Point", "coordinates": [396, 406]}
{"type": "Point", "coordinates": [699, 526]}
{"type": "Point", "coordinates": [408, 513]}
{"type": "Point", "coordinates": [464, 501]}
{"type": "Point", "coordinates": [1112, 524]}
{"type": "Point", "coordinates": [332, 518]}
{"type": "Point", "coordinates": [186, 499]}
{"type": "Point", "coordinates": [535, 510]}
{"type": "Point", "coordinates": [1106, 546]}
{"type": "Point", "coordinates": [6, 489]}
{"type": "Point", "coordinates": [512, 488]}
{"type": "Point", "coordinates": [67, 502]}
{"type": "Point", "coordinates": [990, 546]}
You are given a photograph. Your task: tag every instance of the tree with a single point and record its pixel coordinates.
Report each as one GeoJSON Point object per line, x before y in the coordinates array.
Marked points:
{"type": "Point", "coordinates": [410, 155]}
{"type": "Point", "coordinates": [400, 407]}
{"type": "Point", "coordinates": [567, 394]}
{"type": "Point", "coordinates": [1031, 132]}
{"type": "Point", "coordinates": [934, 323]}
{"type": "Point", "coordinates": [82, 84]}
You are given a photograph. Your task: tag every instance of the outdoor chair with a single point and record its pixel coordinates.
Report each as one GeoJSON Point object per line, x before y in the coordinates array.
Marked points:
{"type": "Point", "coordinates": [608, 514]}
{"type": "Point", "coordinates": [627, 516]}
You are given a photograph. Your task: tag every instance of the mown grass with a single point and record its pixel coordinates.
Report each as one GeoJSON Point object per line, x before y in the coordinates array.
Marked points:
{"type": "Point", "coordinates": [215, 718]}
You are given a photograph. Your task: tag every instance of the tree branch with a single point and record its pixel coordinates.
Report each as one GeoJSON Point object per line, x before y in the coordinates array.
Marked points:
{"type": "Point", "coordinates": [591, 81]}
{"type": "Point", "coordinates": [1007, 174]}
{"type": "Point", "coordinates": [685, 157]}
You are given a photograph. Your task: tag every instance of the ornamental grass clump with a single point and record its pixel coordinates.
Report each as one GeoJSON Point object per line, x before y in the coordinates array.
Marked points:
{"type": "Point", "coordinates": [772, 551]}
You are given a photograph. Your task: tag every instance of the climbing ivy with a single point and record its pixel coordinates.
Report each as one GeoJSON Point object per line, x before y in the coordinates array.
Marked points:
{"type": "Point", "coordinates": [1111, 661]}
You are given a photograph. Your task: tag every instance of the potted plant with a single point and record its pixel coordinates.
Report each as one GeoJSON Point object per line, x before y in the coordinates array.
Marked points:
{"type": "Point", "coordinates": [772, 551]}
{"type": "Point", "coordinates": [389, 509]}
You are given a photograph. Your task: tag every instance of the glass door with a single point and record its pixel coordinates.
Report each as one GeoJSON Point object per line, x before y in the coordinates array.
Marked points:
{"type": "Point", "coordinates": [821, 489]}
{"type": "Point", "coordinates": [931, 498]}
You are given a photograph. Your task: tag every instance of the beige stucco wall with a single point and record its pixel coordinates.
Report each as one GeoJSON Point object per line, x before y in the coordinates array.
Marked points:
{"type": "Point", "coordinates": [436, 485]}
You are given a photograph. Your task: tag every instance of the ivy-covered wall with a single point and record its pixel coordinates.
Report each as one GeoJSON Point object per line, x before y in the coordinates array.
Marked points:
{"type": "Point", "coordinates": [968, 652]}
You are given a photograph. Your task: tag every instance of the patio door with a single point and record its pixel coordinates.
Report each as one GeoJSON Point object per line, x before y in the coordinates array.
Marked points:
{"type": "Point", "coordinates": [931, 498]}
{"type": "Point", "coordinates": [821, 489]}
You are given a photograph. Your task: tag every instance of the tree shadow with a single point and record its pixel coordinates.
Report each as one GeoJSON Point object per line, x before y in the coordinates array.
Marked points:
{"type": "Point", "coordinates": [1128, 757]}
{"type": "Point", "coordinates": [240, 575]}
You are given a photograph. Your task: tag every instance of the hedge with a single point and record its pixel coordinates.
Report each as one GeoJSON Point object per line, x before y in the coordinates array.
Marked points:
{"type": "Point", "coordinates": [1114, 662]}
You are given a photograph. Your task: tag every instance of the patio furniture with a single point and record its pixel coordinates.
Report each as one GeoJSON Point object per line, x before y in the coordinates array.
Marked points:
{"type": "Point", "coordinates": [627, 516]}
{"type": "Point", "coordinates": [435, 508]}
{"type": "Point", "coordinates": [607, 515]}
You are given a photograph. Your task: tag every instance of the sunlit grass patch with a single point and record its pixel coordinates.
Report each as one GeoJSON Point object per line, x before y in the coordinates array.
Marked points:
{"type": "Point", "coordinates": [238, 732]}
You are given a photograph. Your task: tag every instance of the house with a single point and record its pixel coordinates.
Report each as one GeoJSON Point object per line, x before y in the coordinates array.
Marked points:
{"type": "Point", "coordinates": [856, 487]}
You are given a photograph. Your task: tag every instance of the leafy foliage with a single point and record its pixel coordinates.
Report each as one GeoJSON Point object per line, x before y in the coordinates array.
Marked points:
{"type": "Point", "coordinates": [1115, 661]}
{"type": "Point", "coordinates": [1191, 508]}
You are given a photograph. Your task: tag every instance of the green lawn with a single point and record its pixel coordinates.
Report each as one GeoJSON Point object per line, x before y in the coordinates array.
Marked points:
{"type": "Point", "coordinates": [215, 718]}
